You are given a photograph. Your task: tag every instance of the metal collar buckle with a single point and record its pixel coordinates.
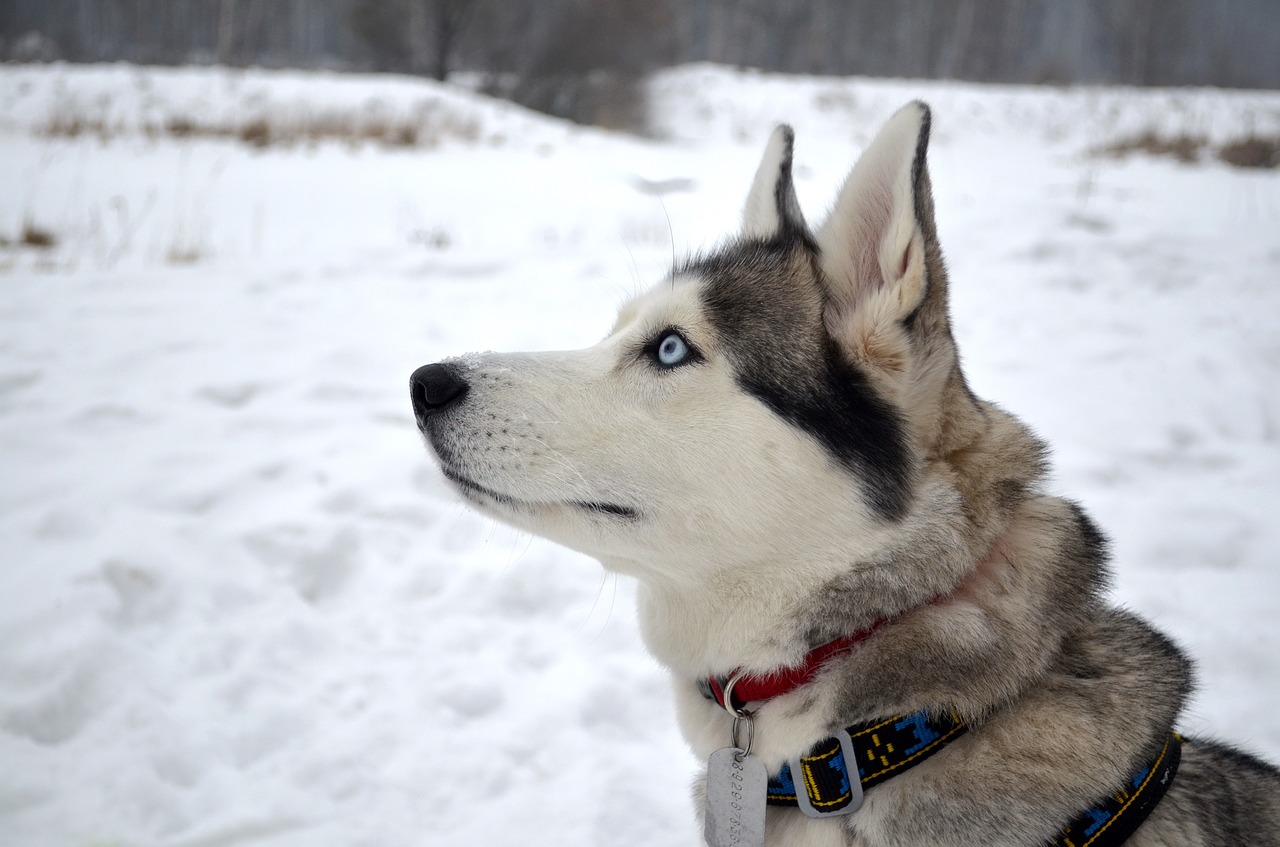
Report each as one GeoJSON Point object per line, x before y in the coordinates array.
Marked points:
{"type": "Point", "coordinates": [802, 781]}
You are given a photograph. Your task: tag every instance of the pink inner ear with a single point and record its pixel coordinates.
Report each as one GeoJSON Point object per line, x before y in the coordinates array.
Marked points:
{"type": "Point", "coordinates": [866, 237]}
{"type": "Point", "coordinates": [876, 202]}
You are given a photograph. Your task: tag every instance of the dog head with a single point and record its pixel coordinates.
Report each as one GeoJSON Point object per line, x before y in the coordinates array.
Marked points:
{"type": "Point", "coordinates": [782, 399]}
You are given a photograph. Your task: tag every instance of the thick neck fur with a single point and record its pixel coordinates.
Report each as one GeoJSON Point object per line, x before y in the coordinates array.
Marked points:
{"type": "Point", "coordinates": [972, 524]}
{"type": "Point", "coordinates": [979, 536]}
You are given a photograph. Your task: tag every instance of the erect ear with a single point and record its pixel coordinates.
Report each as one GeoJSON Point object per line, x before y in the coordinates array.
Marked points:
{"type": "Point", "coordinates": [873, 244]}
{"type": "Point", "coordinates": [772, 208]}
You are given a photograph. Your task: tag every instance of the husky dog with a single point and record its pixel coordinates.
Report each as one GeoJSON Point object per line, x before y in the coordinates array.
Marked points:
{"type": "Point", "coordinates": [881, 630]}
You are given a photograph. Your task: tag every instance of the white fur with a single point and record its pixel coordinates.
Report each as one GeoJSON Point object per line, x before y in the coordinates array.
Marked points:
{"type": "Point", "coordinates": [728, 525]}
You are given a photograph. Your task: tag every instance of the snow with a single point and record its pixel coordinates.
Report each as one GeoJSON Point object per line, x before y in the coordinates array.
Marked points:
{"type": "Point", "coordinates": [242, 607]}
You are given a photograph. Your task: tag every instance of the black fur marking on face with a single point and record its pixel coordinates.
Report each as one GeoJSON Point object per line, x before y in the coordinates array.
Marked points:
{"type": "Point", "coordinates": [853, 423]}
{"type": "Point", "coordinates": [766, 307]}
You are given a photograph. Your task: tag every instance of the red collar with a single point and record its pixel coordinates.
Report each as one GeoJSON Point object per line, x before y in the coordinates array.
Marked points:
{"type": "Point", "coordinates": [751, 688]}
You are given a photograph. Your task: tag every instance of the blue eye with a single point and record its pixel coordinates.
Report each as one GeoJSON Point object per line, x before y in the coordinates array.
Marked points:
{"type": "Point", "coordinates": [672, 350]}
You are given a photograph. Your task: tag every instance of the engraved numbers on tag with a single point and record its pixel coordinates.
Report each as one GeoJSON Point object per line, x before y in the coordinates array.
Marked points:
{"type": "Point", "coordinates": [736, 787]}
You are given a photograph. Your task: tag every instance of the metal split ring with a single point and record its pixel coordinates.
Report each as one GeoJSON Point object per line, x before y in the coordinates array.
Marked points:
{"type": "Point", "coordinates": [751, 733]}
{"type": "Point", "coordinates": [739, 715]}
{"type": "Point", "coordinates": [728, 694]}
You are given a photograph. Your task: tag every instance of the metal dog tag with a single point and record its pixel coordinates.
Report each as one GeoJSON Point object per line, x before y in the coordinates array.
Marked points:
{"type": "Point", "coordinates": [736, 788]}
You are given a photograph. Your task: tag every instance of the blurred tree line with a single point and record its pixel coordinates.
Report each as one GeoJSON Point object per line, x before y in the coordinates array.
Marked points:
{"type": "Point", "coordinates": [581, 58]}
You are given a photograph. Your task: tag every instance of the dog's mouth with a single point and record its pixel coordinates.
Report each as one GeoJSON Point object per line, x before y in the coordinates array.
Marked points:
{"type": "Point", "coordinates": [484, 494]}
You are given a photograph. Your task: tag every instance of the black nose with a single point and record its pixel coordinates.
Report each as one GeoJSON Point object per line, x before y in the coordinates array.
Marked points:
{"type": "Point", "coordinates": [433, 387]}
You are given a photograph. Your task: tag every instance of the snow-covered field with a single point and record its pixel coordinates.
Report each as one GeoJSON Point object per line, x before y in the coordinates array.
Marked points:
{"type": "Point", "coordinates": [241, 608]}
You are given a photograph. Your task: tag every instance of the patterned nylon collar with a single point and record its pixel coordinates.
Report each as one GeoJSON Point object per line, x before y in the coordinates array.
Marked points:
{"type": "Point", "coordinates": [883, 749]}
{"type": "Point", "coordinates": [878, 751]}
{"type": "Point", "coordinates": [1114, 818]}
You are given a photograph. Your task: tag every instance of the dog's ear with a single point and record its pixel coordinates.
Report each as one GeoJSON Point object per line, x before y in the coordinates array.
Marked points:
{"type": "Point", "coordinates": [886, 286]}
{"type": "Point", "coordinates": [873, 246]}
{"type": "Point", "coordinates": [772, 209]}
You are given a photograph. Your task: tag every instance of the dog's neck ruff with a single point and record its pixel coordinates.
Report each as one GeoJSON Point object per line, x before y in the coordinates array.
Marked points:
{"type": "Point", "coordinates": [831, 778]}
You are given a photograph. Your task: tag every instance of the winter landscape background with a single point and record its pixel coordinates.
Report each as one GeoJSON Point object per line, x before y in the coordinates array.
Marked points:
{"type": "Point", "coordinates": [241, 606]}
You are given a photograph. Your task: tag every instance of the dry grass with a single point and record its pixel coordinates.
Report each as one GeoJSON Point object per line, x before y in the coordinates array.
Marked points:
{"type": "Point", "coordinates": [426, 126]}
{"type": "Point", "coordinates": [32, 236]}
{"type": "Point", "coordinates": [184, 254]}
{"type": "Point", "coordinates": [36, 236]}
{"type": "Point", "coordinates": [1251, 152]}
{"type": "Point", "coordinates": [1183, 148]}
{"type": "Point", "coordinates": [68, 125]}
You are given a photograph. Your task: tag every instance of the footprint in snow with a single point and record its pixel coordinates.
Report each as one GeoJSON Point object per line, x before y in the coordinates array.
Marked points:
{"type": "Point", "coordinates": [230, 396]}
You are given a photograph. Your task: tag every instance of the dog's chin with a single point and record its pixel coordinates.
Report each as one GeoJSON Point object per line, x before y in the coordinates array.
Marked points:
{"type": "Point", "coordinates": [520, 511]}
